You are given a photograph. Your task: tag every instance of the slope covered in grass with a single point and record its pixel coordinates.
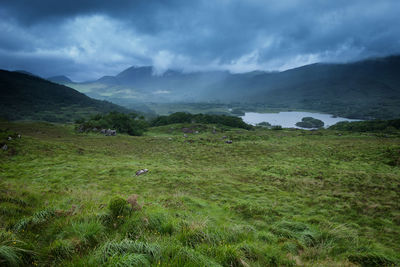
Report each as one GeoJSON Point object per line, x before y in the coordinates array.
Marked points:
{"type": "Point", "coordinates": [27, 97]}
{"type": "Point", "coordinates": [271, 198]}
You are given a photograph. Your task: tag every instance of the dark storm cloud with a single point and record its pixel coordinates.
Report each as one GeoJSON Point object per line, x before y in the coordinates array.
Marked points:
{"type": "Point", "coordinates": [88, 38]}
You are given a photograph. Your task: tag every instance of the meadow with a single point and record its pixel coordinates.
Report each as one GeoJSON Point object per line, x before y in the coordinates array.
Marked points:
{"type": "Point", "coordinates": [270, 198]}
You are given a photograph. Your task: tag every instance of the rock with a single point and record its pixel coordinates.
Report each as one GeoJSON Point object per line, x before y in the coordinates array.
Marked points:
{"type": "Point", "coordinates": [132, 200]}
{"type": "Point", "coordinates": [214, 131]}
{"type": "Point", "coordinates": [4, 147]}
{"type": "Point", "coordinates": [185, 135]}
{"type": "Point", "coordinates": [94, 129]}
{"type": "Point", "coordinates": [80, 129]}
{"type": "Point", "coordinates": [19, 136]}
{"type": "Point", "coordinates": [140, 172]}
{"type": "Point", "coordinates": [110, 132]}
{"type": "Point", "coordinates": [196, 132]}
{"type": "Point", "coordinates": [103, 131]}
{"type": "Point", "coordinates": [228, 141]}
{"type": "Point", "coordinates": [224, 137]}
{"type": "Point", "coordinates": [187, 130]}
{"type": "Point", "coordinates": [169, 138]}
{"type": "Point", "coordinates": [9, 138]}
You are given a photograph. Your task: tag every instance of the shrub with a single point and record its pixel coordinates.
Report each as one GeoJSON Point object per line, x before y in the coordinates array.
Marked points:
{"type": "Point", "coordinates": [276, 127]}
{"type": "Point", "coordinates": [131, 124]}
{"type": "Point", "coordinates": [118, 206]}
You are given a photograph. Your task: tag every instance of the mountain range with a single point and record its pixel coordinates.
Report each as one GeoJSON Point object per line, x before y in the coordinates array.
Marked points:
{"type": "Point", "coordinates": [364, 89]}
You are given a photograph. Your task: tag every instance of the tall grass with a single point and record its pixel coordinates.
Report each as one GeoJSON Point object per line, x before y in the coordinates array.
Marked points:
{"type": "Point", "coordinates": [12, 251]}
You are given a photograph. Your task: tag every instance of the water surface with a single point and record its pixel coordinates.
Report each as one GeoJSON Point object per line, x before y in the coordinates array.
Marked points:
{"type": "Point", "coordinates": [289, 119]}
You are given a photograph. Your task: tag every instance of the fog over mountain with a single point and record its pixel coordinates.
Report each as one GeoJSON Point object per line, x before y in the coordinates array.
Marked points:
{"type": "Point", "coordinates": [363, 89]}
{"type": "Point", "coordinates": [88, 39]}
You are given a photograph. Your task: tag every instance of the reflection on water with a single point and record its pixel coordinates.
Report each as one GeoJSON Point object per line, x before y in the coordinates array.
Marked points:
{"type": "Point", "coordinates": [289, 119]}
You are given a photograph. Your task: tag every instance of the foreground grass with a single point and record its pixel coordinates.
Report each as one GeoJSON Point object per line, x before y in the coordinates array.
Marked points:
{"type": "Point", "coordinates": [271, 198]}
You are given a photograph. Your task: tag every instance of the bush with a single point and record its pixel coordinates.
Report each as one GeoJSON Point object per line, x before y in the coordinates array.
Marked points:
{"type": "Point", "coordinates": [131, 124]}
{"type": "Point", "coordinates": [118, 206]}
{"type": "Point", "coordinates": [276, 127]}
{"type": "Point", "coordinates": [388, 126]}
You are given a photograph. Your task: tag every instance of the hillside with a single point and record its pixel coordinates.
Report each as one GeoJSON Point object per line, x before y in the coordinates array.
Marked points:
{"type": "Point", "coordinates": [269, 198]}
{"type": "Point", "coordinates": [25, 97]}
{"type": "Point", "coordinates": [365, 89]}
{"type": "Point", "coordinates": [59, 79]}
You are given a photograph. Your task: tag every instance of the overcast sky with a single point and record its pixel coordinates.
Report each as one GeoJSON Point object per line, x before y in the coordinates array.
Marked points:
{"type": "Point", "coordinates": [87, 39]}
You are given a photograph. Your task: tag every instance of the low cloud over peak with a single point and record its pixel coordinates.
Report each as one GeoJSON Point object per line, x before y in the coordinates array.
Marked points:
{"type": "Point", "coordinates": [88, 39]}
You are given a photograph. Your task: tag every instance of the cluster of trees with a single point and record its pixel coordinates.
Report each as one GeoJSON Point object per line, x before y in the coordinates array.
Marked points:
{"type": "Point", "coordinates": [183, 117]}
{"type": "Point", "coordinates": [131, 124]}
{"type": "Point", "coordinates": [310, 122]}
{"type": "Point", "coordinates": [134, 124]}
{"type": "Point", "coordinates": [368, 126]}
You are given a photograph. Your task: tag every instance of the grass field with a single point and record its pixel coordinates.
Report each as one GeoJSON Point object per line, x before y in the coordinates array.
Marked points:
{"type": "Point", "coordinates": [271, 198]}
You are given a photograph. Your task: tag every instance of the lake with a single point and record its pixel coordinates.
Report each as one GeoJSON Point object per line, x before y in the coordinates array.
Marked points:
{"type": "Point", "coordinates": [289, 119]}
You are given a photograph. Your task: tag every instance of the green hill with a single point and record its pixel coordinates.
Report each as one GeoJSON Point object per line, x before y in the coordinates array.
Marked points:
{"type": "Point", "coordinates": [27, 97]}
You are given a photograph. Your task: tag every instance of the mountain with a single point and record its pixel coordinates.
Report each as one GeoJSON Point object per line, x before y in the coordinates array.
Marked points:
{"type": "Point", "coordinates": [60, 79]}
{"type": "Point", "coordinates": [29, 97]}
{"type": "Point", "coordinates": [364, 89]}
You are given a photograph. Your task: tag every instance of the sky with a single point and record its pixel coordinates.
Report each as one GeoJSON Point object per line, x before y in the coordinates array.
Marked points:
{"type": "Point", "coordinates": [87, 39]}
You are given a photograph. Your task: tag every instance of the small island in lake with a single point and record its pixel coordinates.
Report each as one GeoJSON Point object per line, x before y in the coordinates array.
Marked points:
{"type": "Point", "coordinates": [310, 122]}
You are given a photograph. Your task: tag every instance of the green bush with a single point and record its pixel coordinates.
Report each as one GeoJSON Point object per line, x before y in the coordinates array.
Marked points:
{"type": "Point", "coordinates": [118, 206]}
{"type": "Point", "coordinates": [387, 126]}
{"type": "Point", "coordinates": [131, 123]}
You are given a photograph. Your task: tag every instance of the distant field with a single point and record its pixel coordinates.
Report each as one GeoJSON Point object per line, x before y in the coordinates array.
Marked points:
{"type": "Point", "coordinates": [271, 198]}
